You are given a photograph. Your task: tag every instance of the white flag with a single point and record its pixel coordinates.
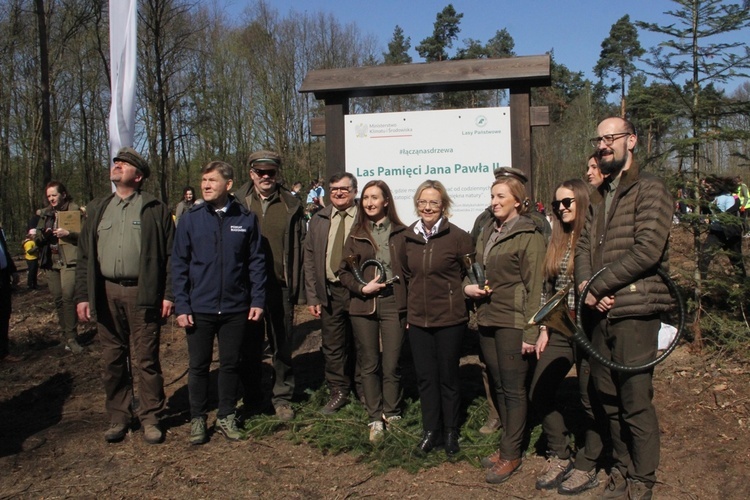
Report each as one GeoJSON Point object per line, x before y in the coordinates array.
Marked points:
{"type": "Point", "coordinates": [123, 18]}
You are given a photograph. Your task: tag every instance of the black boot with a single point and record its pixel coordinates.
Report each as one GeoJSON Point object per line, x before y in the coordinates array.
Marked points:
{"type": "Point", "coordinates": [430, 440]}
{"type": "Point", "coordinates": [451, 442]}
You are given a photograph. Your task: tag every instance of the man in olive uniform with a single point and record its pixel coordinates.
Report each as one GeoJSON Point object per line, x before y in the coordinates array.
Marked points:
{"type": "Point", "coordinates": [122, 278]}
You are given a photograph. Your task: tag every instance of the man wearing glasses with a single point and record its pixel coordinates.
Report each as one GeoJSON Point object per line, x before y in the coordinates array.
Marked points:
{"type": "Point", "coordinates": [282, 225]}
{"type": "Point", "coordinates": [327, 298]}
{"type": "Point", "coordinates": [626, 231]}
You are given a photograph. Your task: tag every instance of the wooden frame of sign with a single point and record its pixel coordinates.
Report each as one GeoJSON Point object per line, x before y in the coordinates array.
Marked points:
{"type": "Point", "coordinates": [518, 74]}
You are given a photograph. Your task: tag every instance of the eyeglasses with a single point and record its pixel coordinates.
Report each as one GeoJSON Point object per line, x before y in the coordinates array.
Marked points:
{"type": "Point", "coordinates": [566, 202]}
{"type": "Point", "coordinates": [271, 172]}
{"type": "Point", "coordinates": [431, 203]}
{"type": "Point", "coordinates": [608, 139]}
{"type": "Point", "coordinates": [343, 189]}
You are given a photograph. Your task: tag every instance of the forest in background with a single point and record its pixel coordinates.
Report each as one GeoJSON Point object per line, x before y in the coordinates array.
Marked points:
{"type": "Point", "coordinates": [213, 87]}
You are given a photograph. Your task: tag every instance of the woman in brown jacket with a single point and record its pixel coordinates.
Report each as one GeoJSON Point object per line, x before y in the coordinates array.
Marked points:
{"type": "Point", "coordinates": [512, 249]}
{"type": "Point", "coordinates": [377, 310]}
{"type": "Point", "coordinates": [436, 312]}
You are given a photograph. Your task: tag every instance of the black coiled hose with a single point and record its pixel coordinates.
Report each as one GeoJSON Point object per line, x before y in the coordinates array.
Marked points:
{"type": "Point", "coordinates": [580, 336]}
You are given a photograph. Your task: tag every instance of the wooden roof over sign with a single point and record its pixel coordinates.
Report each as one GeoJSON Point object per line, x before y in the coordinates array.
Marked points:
{"type": "Point", "coordinates": [445, 76]}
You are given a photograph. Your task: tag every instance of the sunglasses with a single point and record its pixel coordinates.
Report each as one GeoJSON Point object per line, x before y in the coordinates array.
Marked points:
{"type": "Point", "coordinates": [271, 172]}
{"type": "Point", "coordinates": [565, 202]}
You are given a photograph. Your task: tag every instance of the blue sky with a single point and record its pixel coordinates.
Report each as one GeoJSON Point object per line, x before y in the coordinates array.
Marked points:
{"type": "Point", "coordinates": [574, 29]}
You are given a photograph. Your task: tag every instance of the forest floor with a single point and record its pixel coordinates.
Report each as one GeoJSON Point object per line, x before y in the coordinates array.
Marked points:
{"type": "Point", "coordinates": [52, 422]}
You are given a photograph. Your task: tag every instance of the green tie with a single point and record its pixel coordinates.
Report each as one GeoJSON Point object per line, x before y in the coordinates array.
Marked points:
{"type": "Point", "coordinates": [337, 250]}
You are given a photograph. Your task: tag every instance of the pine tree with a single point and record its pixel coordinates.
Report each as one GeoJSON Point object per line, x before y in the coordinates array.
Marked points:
{"type": "Point", "coordinates": [692, 60]}
{"type": "Point", "coordinates": [619, 50]}
{"type": "Point", "coordinates": [398, 48]}
{"type": "Point", "coordinates": [445, 32]}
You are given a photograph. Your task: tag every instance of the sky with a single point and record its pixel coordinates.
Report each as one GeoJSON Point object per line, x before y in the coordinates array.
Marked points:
{"type": "Point", "coordinates": [573, 29]}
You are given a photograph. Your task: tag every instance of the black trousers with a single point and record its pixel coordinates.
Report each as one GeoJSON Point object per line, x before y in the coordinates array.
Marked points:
{"type": "Point", "coordinates": [230, 330]}
{"type": "Point", "coordinates": [626, 397]}
{"type": "Point", "coordinates": [436, 353]}
{"type": "Point", "coordinates": [276, 324]}
{"type": "Point", "coordinates": [5, 308]}
{"type": "Point", "coordinates": [338, 341]}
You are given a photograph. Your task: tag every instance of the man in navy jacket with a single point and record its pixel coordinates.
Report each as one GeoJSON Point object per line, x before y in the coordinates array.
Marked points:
{"type": "Point", "coordinates": [219, 277]}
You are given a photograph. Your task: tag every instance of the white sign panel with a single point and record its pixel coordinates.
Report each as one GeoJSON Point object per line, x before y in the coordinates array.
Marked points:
{"type": "Point", "coordinates": [461, 148]}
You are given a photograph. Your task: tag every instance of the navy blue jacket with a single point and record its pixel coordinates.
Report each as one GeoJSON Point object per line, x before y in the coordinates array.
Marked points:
{"type": "Point", "coordinates": [218, 265]}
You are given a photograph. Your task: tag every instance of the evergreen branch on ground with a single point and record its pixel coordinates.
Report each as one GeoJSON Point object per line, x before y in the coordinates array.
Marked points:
{"type": "Point", "coordinates": [346, 431]}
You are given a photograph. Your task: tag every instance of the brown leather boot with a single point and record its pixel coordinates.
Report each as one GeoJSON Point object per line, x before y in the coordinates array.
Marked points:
{"type": "Point", "coordinates": [502, 470]}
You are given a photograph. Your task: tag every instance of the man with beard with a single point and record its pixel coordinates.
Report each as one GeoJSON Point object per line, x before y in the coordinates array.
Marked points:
{"type": "Point", "coordinates": [627, 231]}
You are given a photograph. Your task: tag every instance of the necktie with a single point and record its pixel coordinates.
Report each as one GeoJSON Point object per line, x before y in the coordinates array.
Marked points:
{"type": "Point", "coordinates": [337, 250]}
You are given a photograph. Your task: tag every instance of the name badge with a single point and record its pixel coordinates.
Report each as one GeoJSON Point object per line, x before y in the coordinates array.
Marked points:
{"type": "Point", "coordinates": [237, 229]}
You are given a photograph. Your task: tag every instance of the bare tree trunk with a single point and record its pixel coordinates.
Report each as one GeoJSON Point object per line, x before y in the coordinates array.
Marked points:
{"type": "Point", "coordinates": [45, 148]}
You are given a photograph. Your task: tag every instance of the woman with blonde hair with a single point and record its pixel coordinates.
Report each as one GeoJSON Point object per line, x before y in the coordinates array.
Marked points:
{"type": "Point", "coordinates": [511, 249]}
{"type": "Point", "coordinates": [436, 312]}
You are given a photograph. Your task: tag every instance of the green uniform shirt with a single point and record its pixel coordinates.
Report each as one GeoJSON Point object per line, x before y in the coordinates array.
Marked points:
{"type": "Point", "coordinates": [118, 244]}
{"type": "Point", "coordinates": [381, 233]}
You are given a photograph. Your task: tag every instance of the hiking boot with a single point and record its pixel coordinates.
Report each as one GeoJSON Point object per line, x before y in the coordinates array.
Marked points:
{"type": "Point", "coordinates": [490, 461]}
{"type": "Point", "coordinates": [228, 427]}
{"type": "Point", "coordinates": [152, 434]}
{"type": "Point", "coordinates": [616, 486]}
{"type": "Point", "coordinates": [490, 426]}
{"type": "Point", "coordinates": [198, 434]}
{"type": "Point", "coordinates": [578, 481]}
{"type": "Point", "coordinates": [115, 433]}
{"type": "Point", "coordinates": [73, 346]}
{"type": "Point", "coordinates": [393, 420]}
{"type": "Point", "coordinates": [376, 431]}
{"type": "Point", "coordinates": [338, 400]}
{"type": "Point", "coordinates": [638, 490]}
{"type": "Point", "coordinates": [284, 413]}
{"type": "Point", "coordinates": [553, 473]}
{"type": "Point", "coordinates": [502, 470]}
